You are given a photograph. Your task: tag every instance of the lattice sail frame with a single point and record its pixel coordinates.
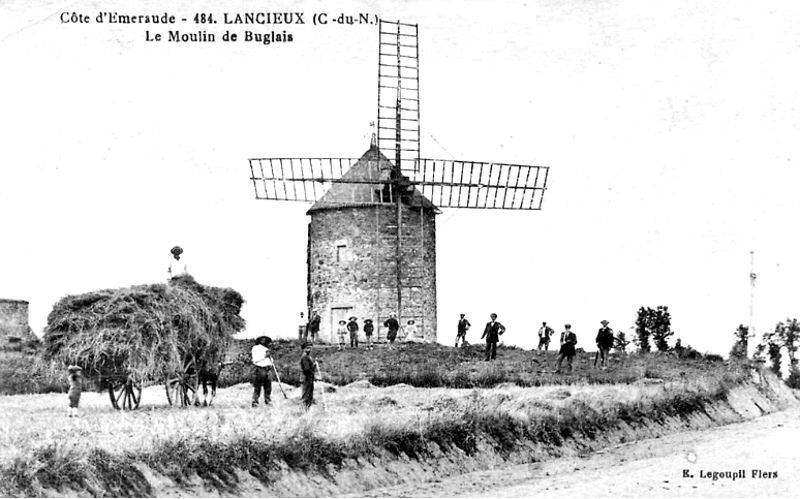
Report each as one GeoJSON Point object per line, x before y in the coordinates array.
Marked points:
{"type": "Point", "coordinates": [446, 183]}
{"type": "Point", "coordinates": [398, 94]}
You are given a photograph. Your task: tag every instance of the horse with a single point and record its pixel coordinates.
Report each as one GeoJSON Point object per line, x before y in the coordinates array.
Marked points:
{"type": "Point", "coordinates": [209, 375]}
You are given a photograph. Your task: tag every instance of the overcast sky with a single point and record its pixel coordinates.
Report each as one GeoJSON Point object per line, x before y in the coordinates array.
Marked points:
{"type": "Point", "coordinates": [671, 130]}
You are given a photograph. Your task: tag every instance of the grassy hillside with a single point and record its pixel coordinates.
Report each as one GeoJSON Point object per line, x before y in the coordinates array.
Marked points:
{"type": "Point", "coordinates": [431, 366]}
{"type": "Point", "coordinates": [116, 453]}
{"type": "Point", "coordinates": [424, 366]}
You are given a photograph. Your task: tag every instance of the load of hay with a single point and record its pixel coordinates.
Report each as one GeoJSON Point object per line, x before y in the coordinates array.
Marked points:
{"type": "Point", "coordinates": [143, 332]}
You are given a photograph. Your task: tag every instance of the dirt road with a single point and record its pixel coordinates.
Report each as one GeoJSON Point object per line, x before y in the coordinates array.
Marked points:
{"type": "Point", "coordinates": [765, 451]}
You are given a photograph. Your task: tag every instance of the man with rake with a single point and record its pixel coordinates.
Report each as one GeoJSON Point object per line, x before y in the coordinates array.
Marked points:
{"type": "Point", "coordinates": [262, 368]}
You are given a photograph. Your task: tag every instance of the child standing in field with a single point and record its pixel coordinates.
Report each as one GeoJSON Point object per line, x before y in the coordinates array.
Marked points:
{"type": "Point", "coordinates": [342, 332]}
{"type": "Point", "coordinates": [368, 329]}
{"type": "Point", "coordinates": [75, 377]}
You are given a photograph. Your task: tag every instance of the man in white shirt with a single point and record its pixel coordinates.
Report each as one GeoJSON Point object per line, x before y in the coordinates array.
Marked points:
{"type": "Point", "coordinates": [301, 328]}
{"type": "Point", "coordinates": [176, 265]}
{"type": "Point", "coordinates": [545, 333]}
{"type": "Point", "coordinates": [262, 369]}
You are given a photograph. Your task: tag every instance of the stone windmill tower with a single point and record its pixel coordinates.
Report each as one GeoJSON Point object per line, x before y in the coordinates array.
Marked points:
{"type": "Point", "coordinates": [353, 263]}
{"type": "Point", "coordinates": [372, 235]}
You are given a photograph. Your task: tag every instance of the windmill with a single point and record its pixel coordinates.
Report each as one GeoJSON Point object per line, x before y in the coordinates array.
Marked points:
{"type": "Point", "coordinates": [372, 235]}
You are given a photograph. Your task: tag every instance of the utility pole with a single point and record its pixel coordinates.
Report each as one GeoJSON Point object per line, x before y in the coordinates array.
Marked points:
{"type": "Point", "coordinates": [750, 330]}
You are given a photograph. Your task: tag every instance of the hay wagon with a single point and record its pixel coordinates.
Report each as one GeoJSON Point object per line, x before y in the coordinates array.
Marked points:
{"type": "Point", "coordinates": [133, 337]}
{"type": "Point", "coordinates": [181, 385]}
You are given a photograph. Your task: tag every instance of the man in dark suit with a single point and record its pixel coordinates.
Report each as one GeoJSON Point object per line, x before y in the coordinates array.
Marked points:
{"type": "Point", "coordinates": [492, 334]}
{"type": "Point", "coordinates": [313, 325]}
{"type": "Point", "coordinates": [394, 325]}
{"type": "Point", "coordinates": [352, 327]}
{"type": "Point", "coordinates": [604, 340]}
{"type": "Point", "coordinates": [463, 326]}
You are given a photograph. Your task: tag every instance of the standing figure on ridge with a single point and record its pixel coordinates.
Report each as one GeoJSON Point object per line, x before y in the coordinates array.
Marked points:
{"type": "Point", "coordinates": [352, 328]}
{"type": "Point", "coordinates": [492, 333]}
{"type": "Point", "coordinates": [313, 325]}
{"type": "Point", "coordinates": [341, 332]}
{"type": "Point", "coordinates": [567, 351]}
{"type": "Point", "coordinates": [545, 333]}
{"type": "Point", "coordinates": [368, 329]}
{"type": "Point", "coordinates": [604, 340]}
{"type": "Point", "coordinates": [463, 327]}
{"type": "Point", "coordinates": [302, 330]}
{"type": "Point", "coordinates": [393, 325]}
{"type": "Point", "coordinates": [411, 334]}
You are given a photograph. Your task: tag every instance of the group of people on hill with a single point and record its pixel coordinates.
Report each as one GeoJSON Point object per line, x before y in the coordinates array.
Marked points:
{"type": "Point", "coordinates": [568, 340]}
{"type": "Point", "coordinates": [308, 331]}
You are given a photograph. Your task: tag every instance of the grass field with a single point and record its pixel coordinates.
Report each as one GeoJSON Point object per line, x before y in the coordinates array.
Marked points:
{"type": "Point", "coordinates": [431, 366]}
{"type": "Point", "coordinates": [97, 453]}
{"type": "Point", "coordinates": [424, 366]}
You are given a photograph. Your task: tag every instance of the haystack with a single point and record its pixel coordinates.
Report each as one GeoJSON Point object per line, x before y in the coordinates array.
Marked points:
{"type": "Point", "coordinates": [143, 332]}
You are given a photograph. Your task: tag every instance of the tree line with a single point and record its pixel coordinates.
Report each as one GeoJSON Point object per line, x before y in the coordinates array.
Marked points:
{"type": "Point", "coordinates": [652, 330]}
{"type": "Point", "coordinates": [654, 326]}
{"type": "Point", "coordinates": [785, 336]}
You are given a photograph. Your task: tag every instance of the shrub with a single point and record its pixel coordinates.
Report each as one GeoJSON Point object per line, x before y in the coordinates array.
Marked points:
{"type": "Point", "coordinates": [793, 380]}
{"type": "Point", "coordinates": [488, 378]}
{"type": "Point", "coordinates": [21, 374]}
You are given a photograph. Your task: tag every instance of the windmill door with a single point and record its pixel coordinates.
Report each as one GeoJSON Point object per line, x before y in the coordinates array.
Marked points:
{"type": "Point", "coordinates": [339, 314]}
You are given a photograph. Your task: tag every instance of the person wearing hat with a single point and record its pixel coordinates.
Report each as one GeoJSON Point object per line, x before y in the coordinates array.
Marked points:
{"type": "Point", "coordinates": [176, 266]}
{"type": "Point", "coordinates": [75, 375]}
{"type": "Point", "coordinates": [567, 351]}
{"type": "Point", "coordinates": [308, 368]}
{"type": "Point", "coordinates": [492, 333]}
{"type": "Point", "coordinates": [604, 340]}
{"type": "Point", "coordinates": [313, 325]}
{"type": "Point", "coordinates": [341, 331]}
{"type": "Point", "coordinates": [262, 369]}
{"type": "Point", "coordinates": [352, 328]}
{"type": "Point", "coordinates": [411, 333]}
{"type": "Point", "coordinates": [302, 328]}
{"type": "Point", "coordinates": [393, 325]}
{"type": "Point", "coordinates": [369, 328]}
{"type": "Point", "coordinates": [545, 333]}
{"type": "Point", "coordinates": [463, 327]}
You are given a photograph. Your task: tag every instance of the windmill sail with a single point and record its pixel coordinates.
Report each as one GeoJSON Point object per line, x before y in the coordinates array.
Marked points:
{"type": "Point", "coordinates": [398, 94]}
{"type": "Point", "coordinates": [296, 179]}
{"type": "Point", "coordinates": [447, 183]}
{"type": "Point", "coordinates": [474, 184]}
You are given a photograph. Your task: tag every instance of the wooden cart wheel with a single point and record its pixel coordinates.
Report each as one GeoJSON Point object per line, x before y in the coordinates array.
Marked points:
{"type": "Point", "coordinates": [125, 394]}
{"type": "Point", "coordinates": [182, 386]}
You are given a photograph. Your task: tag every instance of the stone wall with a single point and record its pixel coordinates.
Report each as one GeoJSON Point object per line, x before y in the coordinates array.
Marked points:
{"type": "Point", "coordinates": [352, 267]}
{"type": "Point", "coordinates": [14, 326]}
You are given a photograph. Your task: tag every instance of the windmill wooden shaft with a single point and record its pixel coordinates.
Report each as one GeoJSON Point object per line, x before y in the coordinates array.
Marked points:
{"type": "Point", "coordinates": [372, 235]}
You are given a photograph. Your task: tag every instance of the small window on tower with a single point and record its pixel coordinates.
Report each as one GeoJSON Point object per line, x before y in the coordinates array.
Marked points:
{"type": "Point", "coordinates": [341, 253]}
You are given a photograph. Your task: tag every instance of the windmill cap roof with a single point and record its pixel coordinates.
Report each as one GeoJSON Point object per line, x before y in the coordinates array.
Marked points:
{"type": "Point", "coordinates": [373, 165]}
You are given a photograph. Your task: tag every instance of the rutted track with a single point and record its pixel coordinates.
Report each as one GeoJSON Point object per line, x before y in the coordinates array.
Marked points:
{"type": "Point", "coordinates": [386, 475]}
{"type": "Point", "coordinates": [765, 448]}
{"type": "Point", "coordinates": [366, 440]}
